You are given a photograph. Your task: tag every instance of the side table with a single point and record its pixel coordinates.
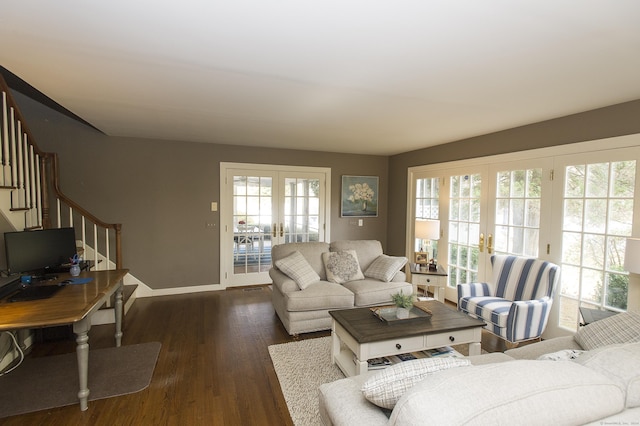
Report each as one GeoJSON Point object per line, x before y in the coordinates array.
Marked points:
{"type": "Point", "coordinates": [422, 276]}
{"type": "Point", "coordinates": [593, 315]}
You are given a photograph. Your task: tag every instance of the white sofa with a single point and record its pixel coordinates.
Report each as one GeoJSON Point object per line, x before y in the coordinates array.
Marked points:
{"type": "Point", "coordinates": [567, 386]}
{"type": "Point", "coordinates": [305, 287]}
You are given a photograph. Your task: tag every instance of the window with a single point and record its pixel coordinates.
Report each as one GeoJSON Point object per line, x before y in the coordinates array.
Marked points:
{"type": "Point", "coordinates": [598, 201]}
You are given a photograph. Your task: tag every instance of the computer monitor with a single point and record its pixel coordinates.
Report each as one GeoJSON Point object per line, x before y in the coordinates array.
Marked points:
{"type": "Point", "coordinates": [38, 251]}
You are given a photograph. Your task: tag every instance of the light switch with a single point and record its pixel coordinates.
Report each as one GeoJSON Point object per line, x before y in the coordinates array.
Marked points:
{"type": "Point", "coordinates": [214, 206]}
{"type": "Point", "coordinates": [360, 222]}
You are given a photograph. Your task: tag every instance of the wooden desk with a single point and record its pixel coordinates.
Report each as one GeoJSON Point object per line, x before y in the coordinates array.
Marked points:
{"type": "Point", "coordinates": [73, 304]}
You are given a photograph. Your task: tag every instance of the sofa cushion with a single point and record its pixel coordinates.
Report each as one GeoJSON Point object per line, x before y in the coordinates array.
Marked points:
{"type": "Point", "coordinates": [321, 295]}
{"type": "Point", "coordinates": [370, 292]}
{"type": "Point", "coordinates": [384, 267]}
{"type": "Point", "coordinates": [387, 387]}
{"type": "Point", "coordinates": [342, 266]}
{"type": "Point", "coordinates": [522, 392]}
{"type": "Point", "coordinates": [620, 363]}
{"type": "Point", "coordinates": [296, 267]}
{"type": "Point", "coordinates": [367, 250]}
{"type": "Point", "coordinates": [621, 328]}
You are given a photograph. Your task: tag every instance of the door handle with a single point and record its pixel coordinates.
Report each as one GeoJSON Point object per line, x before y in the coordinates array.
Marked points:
{"type": "Point", "coordinates": [490, 244]}
{"type": "Point", "coordinates": [281, 230]}
{"type": "Point", "coordinates": [275, 230]}
{"type": "Point", "coordinates": [481, 243]}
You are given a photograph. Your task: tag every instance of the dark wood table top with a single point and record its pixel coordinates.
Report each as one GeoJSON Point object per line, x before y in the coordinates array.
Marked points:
{"type": "Point", "coordinates": [71, 304]}
{"type": "Point", "coordinates": [365, 327]}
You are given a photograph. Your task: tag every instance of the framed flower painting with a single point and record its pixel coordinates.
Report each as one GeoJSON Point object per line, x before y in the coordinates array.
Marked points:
{"type": "Point", "coordinates": [359, 196]}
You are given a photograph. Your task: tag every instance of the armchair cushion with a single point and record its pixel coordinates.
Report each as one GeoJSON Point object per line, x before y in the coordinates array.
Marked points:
{"type": "Point", "coordinates": [621, 328]}
{"type": "Point", "coordinates": [296, 267]}
{"type": "Point", "coordinates": [342, 266]}
{"type": "Point", "coordinates": [384, 267]}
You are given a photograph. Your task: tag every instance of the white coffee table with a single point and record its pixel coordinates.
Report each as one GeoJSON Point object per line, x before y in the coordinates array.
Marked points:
{"type": "Point", "coordinates": [358, 335]}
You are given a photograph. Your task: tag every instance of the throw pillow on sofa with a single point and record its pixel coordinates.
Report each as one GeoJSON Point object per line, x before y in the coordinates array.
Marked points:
{"type": "Point", "coordinates": [342, 266]}
{"type": "Point", "coordinates": [621, 328]}
{"type": "Point", "coordinates": [387, 387]}
{"type": "Point", "coordinates": [384, 267]}
{"type": "Point", "coordinates": [296, 267]}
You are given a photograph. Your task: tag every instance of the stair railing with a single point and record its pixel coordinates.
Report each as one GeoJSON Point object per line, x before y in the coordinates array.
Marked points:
{"type": "Point", "coordinates": [33, 178]}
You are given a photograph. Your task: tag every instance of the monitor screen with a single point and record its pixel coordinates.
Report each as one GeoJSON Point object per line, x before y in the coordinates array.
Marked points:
{"type": "Point", "coordinates": [30, 251]}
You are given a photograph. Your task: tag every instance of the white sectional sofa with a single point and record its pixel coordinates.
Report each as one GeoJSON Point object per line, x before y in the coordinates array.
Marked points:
{"type": "Point", "coordinates": [590, 378]}
{"type": "Point", "coordinates": [310, 279]}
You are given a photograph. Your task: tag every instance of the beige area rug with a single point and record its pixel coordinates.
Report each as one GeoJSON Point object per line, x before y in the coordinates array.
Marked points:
{"type": "Point", "coordinates": [301, 368]}
{"type": "Point", "coordinates": [52, 381]}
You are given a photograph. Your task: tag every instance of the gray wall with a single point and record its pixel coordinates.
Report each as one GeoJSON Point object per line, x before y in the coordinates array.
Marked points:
{"type": "Point", "coordinates": [161, 192]}
{"type": "Point", "coordinates": [616, 120]}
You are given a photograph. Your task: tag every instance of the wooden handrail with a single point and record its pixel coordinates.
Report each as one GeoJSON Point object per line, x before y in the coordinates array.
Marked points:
{"type": "Point", "coordinates": [50, 175]}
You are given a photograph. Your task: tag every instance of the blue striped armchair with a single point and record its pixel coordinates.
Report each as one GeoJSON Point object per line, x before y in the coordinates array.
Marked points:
{"type": "Point", "coordinates": [516, 305]}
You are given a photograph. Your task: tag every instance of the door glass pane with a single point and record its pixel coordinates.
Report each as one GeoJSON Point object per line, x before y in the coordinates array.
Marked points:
{"type": "Point", "coordinates": [598, 216]}
{"type": "Point", "coordinates": [427, 207]}
{"type": "Point", "coordinates": [517, 216]}
{"type": "Point", "coordinates": [252, 224]}
{"type": "Point", "coordinates": [301, 210]}
{"type": "Point", "coordinates": [464, 225]}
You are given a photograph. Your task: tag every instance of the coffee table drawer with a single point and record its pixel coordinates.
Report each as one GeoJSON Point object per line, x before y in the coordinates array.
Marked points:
{"type": "Point", "coordinates": [396, 346]}
{"type": "Point", "coordinates": [444, 339]}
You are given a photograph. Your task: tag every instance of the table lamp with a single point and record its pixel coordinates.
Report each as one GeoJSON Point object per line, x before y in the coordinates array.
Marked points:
{"type": "Point", "coordinates": [427, 230]}
{"type": "Point", "coordinates": [632, 256]}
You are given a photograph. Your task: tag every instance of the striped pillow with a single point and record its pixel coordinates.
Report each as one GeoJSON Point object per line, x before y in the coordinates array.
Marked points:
{"type": "Point", "coordinates": [387, 387]}
{"type": "Point", "coordinates": [296, 267]}
{"type": "Point", "coordinates": [621, 328]}
{"type": "Point", "coordinates": [384, 267]}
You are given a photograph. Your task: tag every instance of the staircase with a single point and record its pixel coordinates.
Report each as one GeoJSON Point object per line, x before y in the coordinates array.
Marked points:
{"type": "Point", "coordinates": [30, 198]}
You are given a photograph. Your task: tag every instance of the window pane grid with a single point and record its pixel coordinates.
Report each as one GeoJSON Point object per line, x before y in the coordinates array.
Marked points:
{"type": "Point", "coordinates": [598, 216]}
{"type": "Point", "coordinates": [464, 226]}
{"type": "Point", "coordinates": [517, 216]}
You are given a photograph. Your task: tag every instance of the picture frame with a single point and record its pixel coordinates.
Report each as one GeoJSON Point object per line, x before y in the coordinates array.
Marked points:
{"type": "Point", "coordinates": [359, 196]}
{"type": "Point", "coordinates": [421, 258]}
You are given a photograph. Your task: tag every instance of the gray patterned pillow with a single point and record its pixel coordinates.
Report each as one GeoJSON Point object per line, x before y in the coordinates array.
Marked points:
{"type": "Point", "coordinates": [342, 266]}
{"type": "Point", "coordinates": [296, 267]}
{"type": "Point", "coordinates": [384, 267]}
{"type": "Point", "coordinates": [621, 328]}
{"type": "Point", "coordinates": [387, 387]}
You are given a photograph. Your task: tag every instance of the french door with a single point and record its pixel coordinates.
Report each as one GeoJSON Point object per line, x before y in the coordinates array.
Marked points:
{"type": "Point", "coordinates": [485, 209]}
{"type": "Point", "coordinates": [574, 206]}
{"type": "Point", "coordinates": [264, 206]}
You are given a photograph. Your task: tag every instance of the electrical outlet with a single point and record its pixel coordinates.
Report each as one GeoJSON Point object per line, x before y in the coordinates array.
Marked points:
{"type": "Point", "coordinates": [360, 222]}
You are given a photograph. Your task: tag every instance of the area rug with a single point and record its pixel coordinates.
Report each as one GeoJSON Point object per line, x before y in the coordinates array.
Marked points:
{"type": "Point", "coordinates": [52, 381]}
{"type": "Point", "coordinates": [301, 368]}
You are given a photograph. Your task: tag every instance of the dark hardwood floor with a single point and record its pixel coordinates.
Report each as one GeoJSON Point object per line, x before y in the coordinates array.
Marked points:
{"type": "Point", "coordinates": [214, 367]}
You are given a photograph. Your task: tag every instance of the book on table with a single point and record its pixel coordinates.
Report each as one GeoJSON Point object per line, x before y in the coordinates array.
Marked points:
{"type": "Point", "coordinates": [377, 363]}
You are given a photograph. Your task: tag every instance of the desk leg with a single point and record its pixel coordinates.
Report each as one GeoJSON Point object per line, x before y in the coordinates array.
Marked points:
{"type": "Point", "coordinates": [81, 329]}
{"type": "Point", "coordinates": [118, 315]}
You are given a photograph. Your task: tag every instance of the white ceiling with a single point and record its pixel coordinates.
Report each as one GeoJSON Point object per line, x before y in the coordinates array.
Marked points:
{"type": "Point", "coordinates": [359, 76]}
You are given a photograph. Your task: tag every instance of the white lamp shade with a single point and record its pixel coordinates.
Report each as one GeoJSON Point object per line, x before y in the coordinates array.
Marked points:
{"type": "Point", "coordinates": [632, 256]}
{"type": "Point", "coordinates": [428, 229]}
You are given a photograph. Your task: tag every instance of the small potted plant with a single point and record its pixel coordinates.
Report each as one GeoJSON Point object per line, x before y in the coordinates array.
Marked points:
{"type": "Point", "coordinates": [404, 303]}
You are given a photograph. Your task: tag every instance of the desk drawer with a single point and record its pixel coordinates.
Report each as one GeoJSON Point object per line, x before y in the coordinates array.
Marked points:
{"type": "Point", "coordinates": [396, 346]}
{"type": "Point", "coordinates": [444, 339]}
